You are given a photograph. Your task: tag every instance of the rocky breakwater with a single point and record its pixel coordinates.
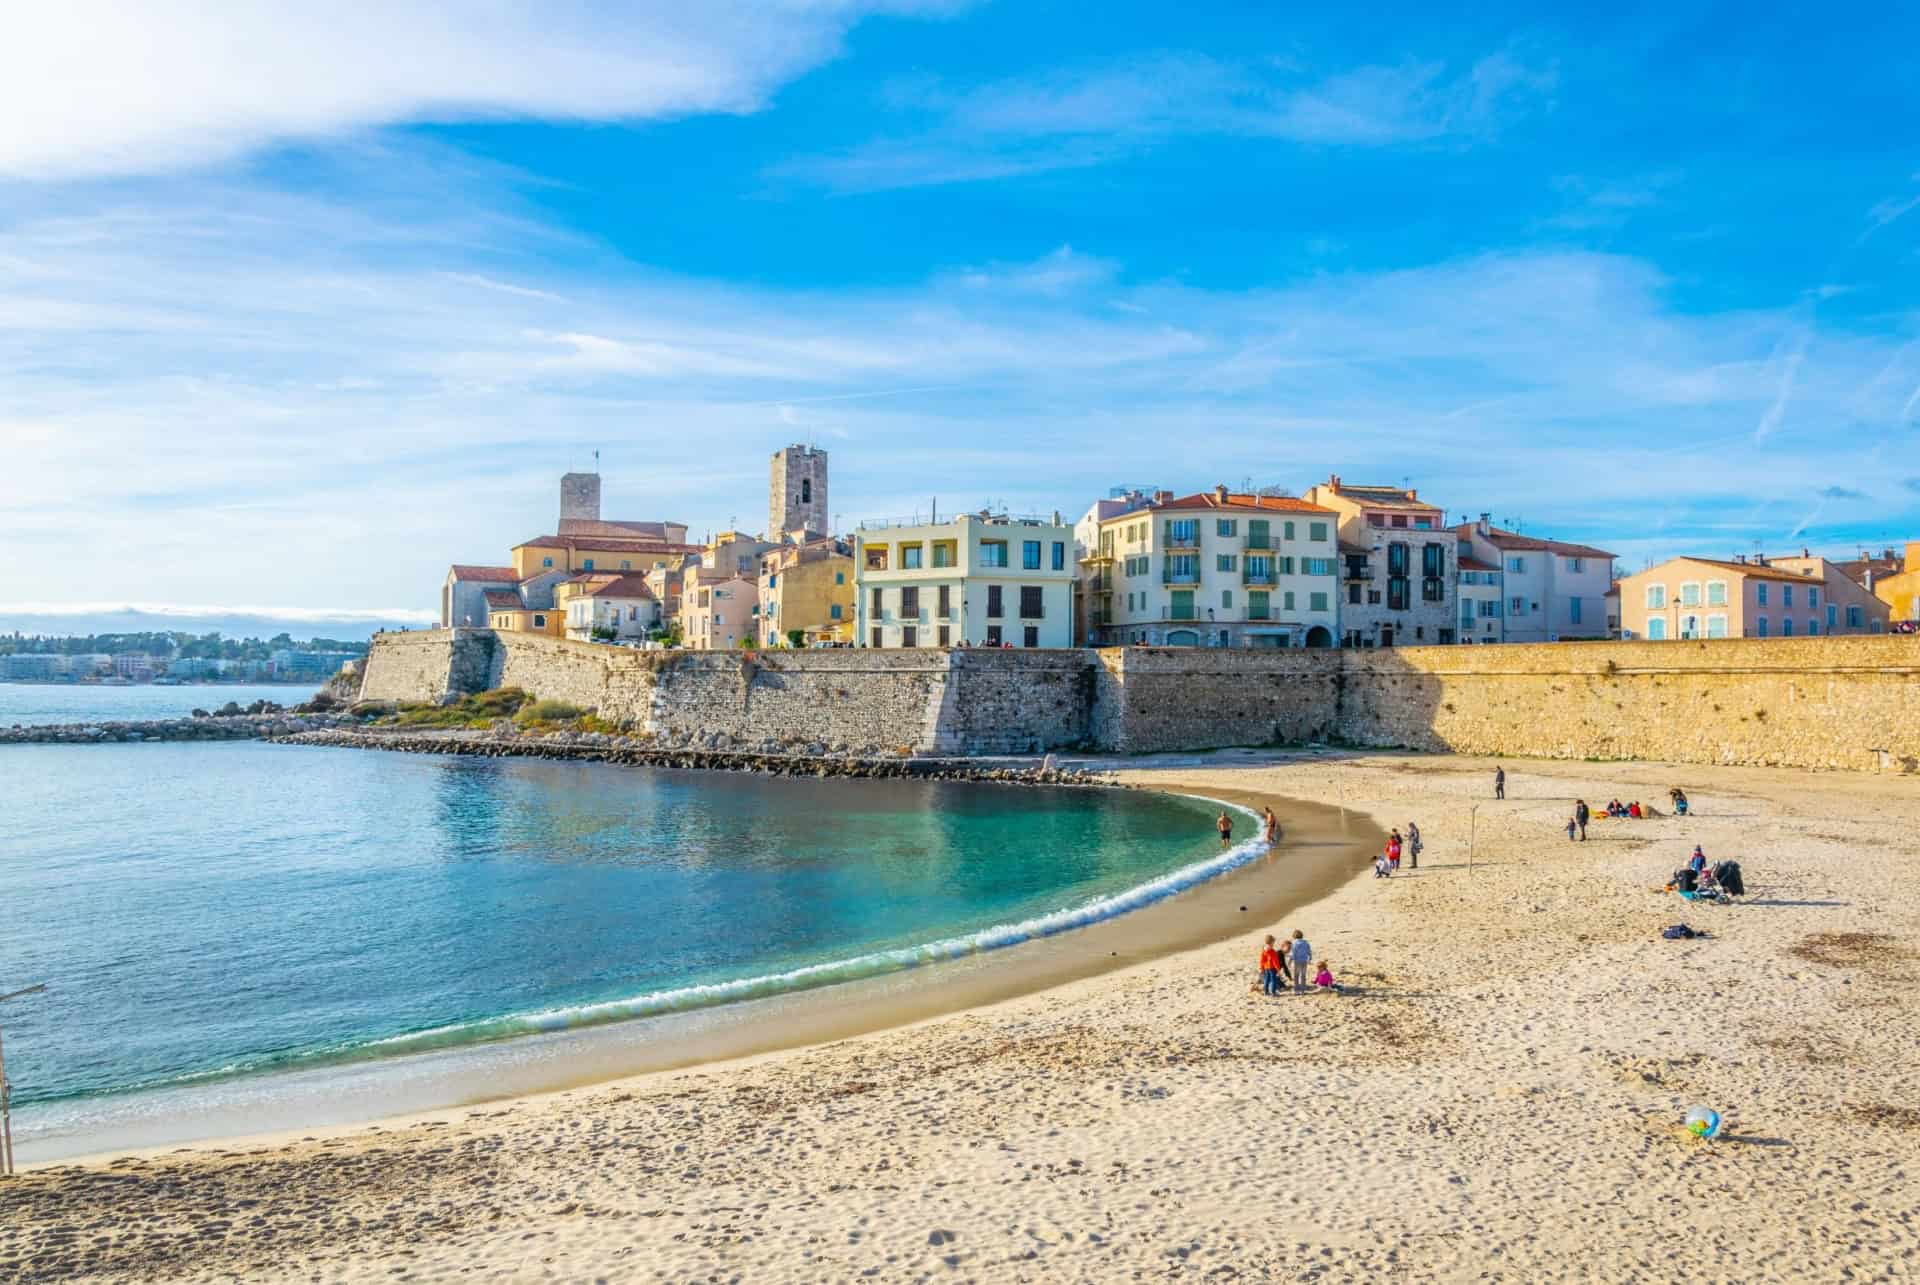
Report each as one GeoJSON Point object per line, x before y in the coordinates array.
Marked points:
{"type": "Point", "coordinates": [202, 727]}
{"type": "Point", "coordinates": [710, 752]}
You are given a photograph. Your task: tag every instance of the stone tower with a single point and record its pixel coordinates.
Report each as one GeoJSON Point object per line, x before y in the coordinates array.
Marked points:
{"type": "Point", "coordinates": [580, 496]}
{"type": "Point", "coordinates": [797, 492]}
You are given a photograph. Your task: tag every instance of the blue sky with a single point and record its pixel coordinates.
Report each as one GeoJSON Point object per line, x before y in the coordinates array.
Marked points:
{"type": "Point", "coordinates": [297, 309]}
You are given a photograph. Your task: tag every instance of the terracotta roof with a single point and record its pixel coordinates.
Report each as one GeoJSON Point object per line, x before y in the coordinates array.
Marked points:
{"type": "Point", "coordinates": [606, 544]}
{"type": "Point", "coordinates": [499, 575]}
{"type": "Point", "coordinates": [504, 600]}
{"type": "Point", "coordinates": [1474, 564]}
{"type": "Point", "coordinates": [618, 530]}
{"type": "Point", "coordinates": [631, 586]}
{"type": "Point", "coordinates": [1882, 565]}
{"type": "Point", "coordinates": [1381, 497]}
{"type": "Point", "coordinates": [1753, 569]}
{"type": "Point", "coordinates": [1242, 500]}
{"type": "Point", "coordinates": [1523, 543]}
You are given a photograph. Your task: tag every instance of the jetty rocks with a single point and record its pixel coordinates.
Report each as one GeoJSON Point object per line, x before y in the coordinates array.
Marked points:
{"type": "Point", "coordinates": [816, 760]}
{"type": "Point", "coordinates": [202, 726]}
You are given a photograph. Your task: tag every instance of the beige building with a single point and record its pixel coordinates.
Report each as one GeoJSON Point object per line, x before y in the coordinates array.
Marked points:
{"type": "Point", "coordinates": [1214, 569]}
{"type": "Point", "coordinates": [806, 594]}
{"type": "Point", "coordinates": [1764, 598]}
{"type": "Point", "coordinates": [607, 607]}
{"type": "Point", "coordinates": [981, 579]}
{"type": "Point", "coordinates": [718, 610]}
{"type": "Point", "coordinates": [1397, 565]}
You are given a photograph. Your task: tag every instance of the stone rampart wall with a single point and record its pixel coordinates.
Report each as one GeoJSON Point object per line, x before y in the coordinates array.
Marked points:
{"type": "Point", "coordinates": [1813, 702]}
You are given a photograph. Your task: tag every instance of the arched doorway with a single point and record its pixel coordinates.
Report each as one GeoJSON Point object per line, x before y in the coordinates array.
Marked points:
{"type": "Point", "coordinates": [1319, 636]}
{"type": "Point", "coordinates": [1183, 638]}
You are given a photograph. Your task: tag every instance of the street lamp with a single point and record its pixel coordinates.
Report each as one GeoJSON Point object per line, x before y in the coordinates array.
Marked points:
{"type": "Point", "coordinates": [6, 1093]}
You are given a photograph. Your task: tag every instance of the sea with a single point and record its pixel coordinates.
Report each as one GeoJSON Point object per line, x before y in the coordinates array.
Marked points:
{"type": "Point", "coordinates": [210, 916]}
{"type": "Point", "coordinates": [38, 704]}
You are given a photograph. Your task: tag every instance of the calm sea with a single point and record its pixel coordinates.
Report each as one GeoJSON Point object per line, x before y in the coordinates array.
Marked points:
{"type": "Point", "coordinates": [203, 912]}
{"type": "Point", "coordinates": [33, 704]}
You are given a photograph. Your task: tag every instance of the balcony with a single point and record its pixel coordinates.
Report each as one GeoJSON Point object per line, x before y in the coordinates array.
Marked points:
{"type": "Point", "coordinates": [1260, 542]}
{"type": "Point", "coordinates": [1182, 535]}
{"type": "Point", "coordinates": [1183, 613]}
{"type": "Point", "coordinates": [1169, 576]}
{"type": "Point", "coordinates": [1357, 571]}
{"type": "Point", "coordinates": [1249, 575]}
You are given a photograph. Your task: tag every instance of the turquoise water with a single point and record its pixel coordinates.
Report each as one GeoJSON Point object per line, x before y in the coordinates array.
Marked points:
{"type": "Point", "coordinates": [34, 704]}
{"type": "Point", "coordinates": [232, 910]}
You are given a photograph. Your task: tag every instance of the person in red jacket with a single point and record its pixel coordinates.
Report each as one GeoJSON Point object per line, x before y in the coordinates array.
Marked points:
{"type": "Point", "coordinates": [1269, 968]}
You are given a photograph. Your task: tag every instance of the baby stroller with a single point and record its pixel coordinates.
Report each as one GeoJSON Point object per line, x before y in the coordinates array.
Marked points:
{"type": "Point", "coordinates": [1697, 885]}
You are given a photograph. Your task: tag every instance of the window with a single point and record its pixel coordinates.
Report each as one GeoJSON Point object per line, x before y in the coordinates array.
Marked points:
{"type": "Point", "coordinates": [833, 612]}
{"type": "Point", "coordinates": [1031, 636]}
{"type": "Point", "coordinates": [1225, 562]}
{"type": "Point", "coordinates": [1316, 602]}
{"type": "Point", "coordinates": [1398, 593]}
{"type": "Point", "coordinates": [1833, 616]}
{"type": "Point", "coordinates": [945, 600]}
{"type": "Point", "coordinates": [910, 603]}
{"type": "Point", "coordinates": [1287, 600]}
{"type": "Point", "coordinates": [1717, 626]}
{"type": "Point", "coordinates": [873, 639]}
{"type": "Point", "coordinates": [588, 564]}
{"type": "Point", "coordinates": [1516, 564]}
{"type": "Point", "coordinates": [1182, 608]}
{"type": "Point", "coordinates": [1433, 560]}
{"type": "Point", "coordinates": [1760, 627]}
{"type": "Point", "coordinates": [1226, 526]}
{"type": "Point", "coordinates": [1317, 532]}
{"type": "Point", "coordinates": [1786, 626]}
{"type": "Point", "coordinates": [943, 551]}
{"type": "Point", "coordinates": [1853, 617]}
{"type": "Point", "coordinates": [1182, 567]}
{"type": "Point", "coordinates": [1760, 593]}
{"type": "Point", "coordinates": [993, 553]}
{"type": "Point", "coordinates": [773, 582]}
{"type": "Point", "coordinates": [1716, 593]}
{"type": "Point", "coordinates": [1257, 608]}
{"type": "Point", "coordinates": [994, 637]}
{"type": "Point", "coordinates": [1573, 610]}
{"type": "Point", "coordinates": [1786, 599]}
{"type": "Point", "coordinates": [539, 622]}
{"type": "Point", "coordinates": [1576, 565]}
{"type": "Point", "coordinates": [909, 636]}
{"type": "Point", "coordinates": [1031, 602]}
{"type": "Point", "coordinates": [946, 635]}
{"type": "Point", "coordinates": [1183, 532]}
{"type": "Point", "coordinates": [1657, 630]}
{"type": "Point", "coordinates": [910, 557]}
{"type": "Point", "coordinates": [1284, 565]}
{"type": "Point", "coordinates": [547, 562]}
{"type": "Point", "coordinates": [1516, 606]}
{"type": "Point", "coordinates": [1059, 555]}
{"type": "Point", "coordinates": [1030, 555]}
{"type": "Point", "coordinates": [1813, 597]}
{"type": "Point", "coordinates": [1353, 593]}
{"type": "Point", "coordinates": [1400, 519]}
{"type": "Point", "coordinates": [1421, 524]}
{"type": "Point", "coordinates": [1259, 569]}
{"type": "Point", "coordinates": [995, 607]}
{"type": "Point", "coordinates": [839, 577]}
{"type": "Point", "coordinates": [1690, 594]}
{"type": "Point", "coordinates": [1316, 566]}
{"type": "Point", "coordinates": [1226, 597]}
{"type": "Point", "coordinates": [877, 607]}
{"type": "Point", "coordinates": [1657, 597]}
{"type": "Point", "coordinates": [626, 564]}
{"type": "Point", "coordinates": [1257, 533]}
{"type": "Point", "coordinates": [1690, 626]}
{"type": "Point", "coordinates": [806, 490]}
{"type": "Point", "coordinates": [1813, 628]}
{"type": "Point", "coordinates": [1398, 559]}
{"type": "Point", "coordinates": [1286, 530]}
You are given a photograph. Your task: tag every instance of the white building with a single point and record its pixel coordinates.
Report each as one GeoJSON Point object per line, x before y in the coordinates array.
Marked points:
{"type": "Point", "coordinates": [1552, 591]}
{"type": "Point", "coordinates": [1482, 597]}
{"type": "Point", "coordinates": [977, 579]}
{"type": "Point", "coordinates": [613, 609]}
{"type": "Point", "coordinates": [1214, 569]}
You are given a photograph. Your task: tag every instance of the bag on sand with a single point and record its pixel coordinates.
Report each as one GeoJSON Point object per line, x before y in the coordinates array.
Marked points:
{"type": "Point", "coordinates": [1679, 932]}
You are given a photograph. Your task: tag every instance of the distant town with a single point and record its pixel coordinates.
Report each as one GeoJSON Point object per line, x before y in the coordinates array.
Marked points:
{"type": "Point", "coordinates": [171, 658]}
{"type": "Point", "coordinates": [1342, 564]}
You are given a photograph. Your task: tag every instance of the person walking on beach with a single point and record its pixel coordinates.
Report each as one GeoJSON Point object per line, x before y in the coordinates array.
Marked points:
{"type": "Point", "coordinates": [1582, 814]}
{"type": "Point", "coordinates": [1413, 845]}
{"type": "Point", "coordinates": [1269, 968]}
{"type": "Point", "coordinates": [1273, 826]}
{"type": "Point", "coordinates": [1393, 851]}
{"type": "Point", "coordinates": [1225, 825]}
{"type": "Point", "coordinates": [1572, 825]}
{"type": "Point", "coordinates": [1499, 782]}
{"type": "Point", "coordinates": [1302, 955]}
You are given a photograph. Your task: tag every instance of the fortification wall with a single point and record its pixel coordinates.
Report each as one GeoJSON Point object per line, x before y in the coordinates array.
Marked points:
{"type": "Point", "coordinates": [1815, 702]}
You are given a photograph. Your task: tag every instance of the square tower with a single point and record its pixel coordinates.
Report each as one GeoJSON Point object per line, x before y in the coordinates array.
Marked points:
{"type": "Point", "coordinates": [797, 492]}
{"type": "Point", "coordinates": [580, 496]}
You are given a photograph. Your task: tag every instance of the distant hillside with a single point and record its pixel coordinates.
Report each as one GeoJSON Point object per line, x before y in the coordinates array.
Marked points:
{"type": "Point", "coordinates": [352, 626]}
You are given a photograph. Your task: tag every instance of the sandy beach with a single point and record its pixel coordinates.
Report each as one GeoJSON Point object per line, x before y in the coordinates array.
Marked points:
{"type": "Point", "coordinates": [1498, 1097]}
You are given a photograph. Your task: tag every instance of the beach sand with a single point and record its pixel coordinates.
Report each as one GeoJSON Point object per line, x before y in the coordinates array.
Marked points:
{"type": "Point", "coordinates": [1500, 1098]}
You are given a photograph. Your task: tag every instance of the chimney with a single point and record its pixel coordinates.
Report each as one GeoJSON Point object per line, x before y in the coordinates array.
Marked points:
{"type": "Point", "coordinates": [1220, 493]}
{"type": "Point", "coordinates": [1868, 584]}
{"type": "Point", "coordinates": [1485, 522]}
{"type": "Point", "coordinates": [1162, 497]}
{"type": "Point", "coordinates": [1333, 480]}
{"type": "Point", "coordinates": [1805, 552]}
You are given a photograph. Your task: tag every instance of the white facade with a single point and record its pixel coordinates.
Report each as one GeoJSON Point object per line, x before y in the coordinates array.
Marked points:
{"type": "Point", "coordinates": [1215, 569]}
{"type": "Point", "coordinates": [979, 581]}
{"type": "Point", "coordinates": [1482, 598]}
{"type": "Point", "coordinates": [1552, 590]}
{"type": "Point", "coordinates": [625, 617]}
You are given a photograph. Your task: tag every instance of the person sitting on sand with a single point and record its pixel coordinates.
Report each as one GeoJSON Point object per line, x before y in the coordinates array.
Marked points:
{"type": "Point", "coordinates": [1698, 861]}
{"type": "Point", "coordinates": [1323, 982]}
{"type": "Point", "coordinates": [1269, 968]}
{"type": "Point", "coordinates": [1224, 824]}
{"type": "Point", "coordinates": [1382, 868]}
{"type": "Point", "coordinates": [1633, 810]}
{"type": "Point", "coordinates": [1679, 798]}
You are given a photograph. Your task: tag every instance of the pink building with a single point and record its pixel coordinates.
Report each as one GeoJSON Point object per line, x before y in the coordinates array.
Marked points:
{"type": "Point", "coordinates": [718, 609]}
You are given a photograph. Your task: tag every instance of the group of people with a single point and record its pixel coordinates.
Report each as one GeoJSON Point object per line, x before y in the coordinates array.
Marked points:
{"type": "Point", "coordinates": [1387, 863]}
{"type": "Point", "coordinates": [1269, 827]}
{"type": "Point", "coordinates": [1291, 963]}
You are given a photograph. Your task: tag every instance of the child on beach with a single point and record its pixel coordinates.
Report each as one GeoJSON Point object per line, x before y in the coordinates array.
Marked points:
{"type": "Point", "coordinates": [1302, 955]}
{"type": "Point", "coordinates": [1323, 982]}
{"type": "Point", "coordinates": [1393, 849]}
{"type": "Point", "coordinates": [1572, 826]}
{"type": "Point", "coordinates": [1382, 869]}
{"type": "Point", "coordinates": [1269, 968]}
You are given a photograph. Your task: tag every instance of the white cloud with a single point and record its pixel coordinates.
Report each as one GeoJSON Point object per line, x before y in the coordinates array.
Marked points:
{"type": "Point", "coordinates": [91, 87]}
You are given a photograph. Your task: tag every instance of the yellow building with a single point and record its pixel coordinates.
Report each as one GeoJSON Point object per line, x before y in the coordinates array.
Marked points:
{"type": "Point", "coordinates": [807, 589]}
{"type": "Point", "coordinates": [505, 610]}
{"type": "Point", "coordinates": [1900, 590]}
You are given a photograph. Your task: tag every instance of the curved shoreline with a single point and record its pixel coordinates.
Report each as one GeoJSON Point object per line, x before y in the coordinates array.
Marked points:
{"type": "Point", "coordinates": [346, 1096]}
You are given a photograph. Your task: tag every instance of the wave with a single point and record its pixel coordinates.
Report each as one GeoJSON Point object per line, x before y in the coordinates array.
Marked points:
{"type": "Point", "coordinates": [685, 999]}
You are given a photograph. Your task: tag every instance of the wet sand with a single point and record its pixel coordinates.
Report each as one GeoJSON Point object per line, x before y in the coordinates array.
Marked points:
{"type": "Point", "coordinates": [1497, 1097]}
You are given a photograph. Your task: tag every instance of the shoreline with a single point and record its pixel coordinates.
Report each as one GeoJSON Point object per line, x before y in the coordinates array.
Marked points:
{"type": "Point", "coordinates": [1328, 846]}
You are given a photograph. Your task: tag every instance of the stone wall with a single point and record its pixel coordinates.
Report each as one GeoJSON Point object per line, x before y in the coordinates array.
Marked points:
{"type": "Point", "coordinates": [1808, 702]}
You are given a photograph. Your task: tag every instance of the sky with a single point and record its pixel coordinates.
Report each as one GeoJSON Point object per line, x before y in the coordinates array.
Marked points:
{"type": "Point", "coordinates": [299, 304]}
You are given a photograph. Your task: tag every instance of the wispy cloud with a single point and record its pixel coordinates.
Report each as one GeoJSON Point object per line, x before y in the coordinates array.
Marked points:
{"type": "Point", "coordinates": [1776, 411]}
{"type": "Point", "coordinates": [1841, 493]}
{"type": "Point", "coordinates": [1890, 210]}
{"type": "Point", "coordinates": [1081, 116]}
{"type": "Point", "coordinates": [90, 87]}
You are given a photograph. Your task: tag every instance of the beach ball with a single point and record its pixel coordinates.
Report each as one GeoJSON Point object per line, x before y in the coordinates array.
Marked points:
{"type": "Point", "coordinates": [1703, 1122]}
